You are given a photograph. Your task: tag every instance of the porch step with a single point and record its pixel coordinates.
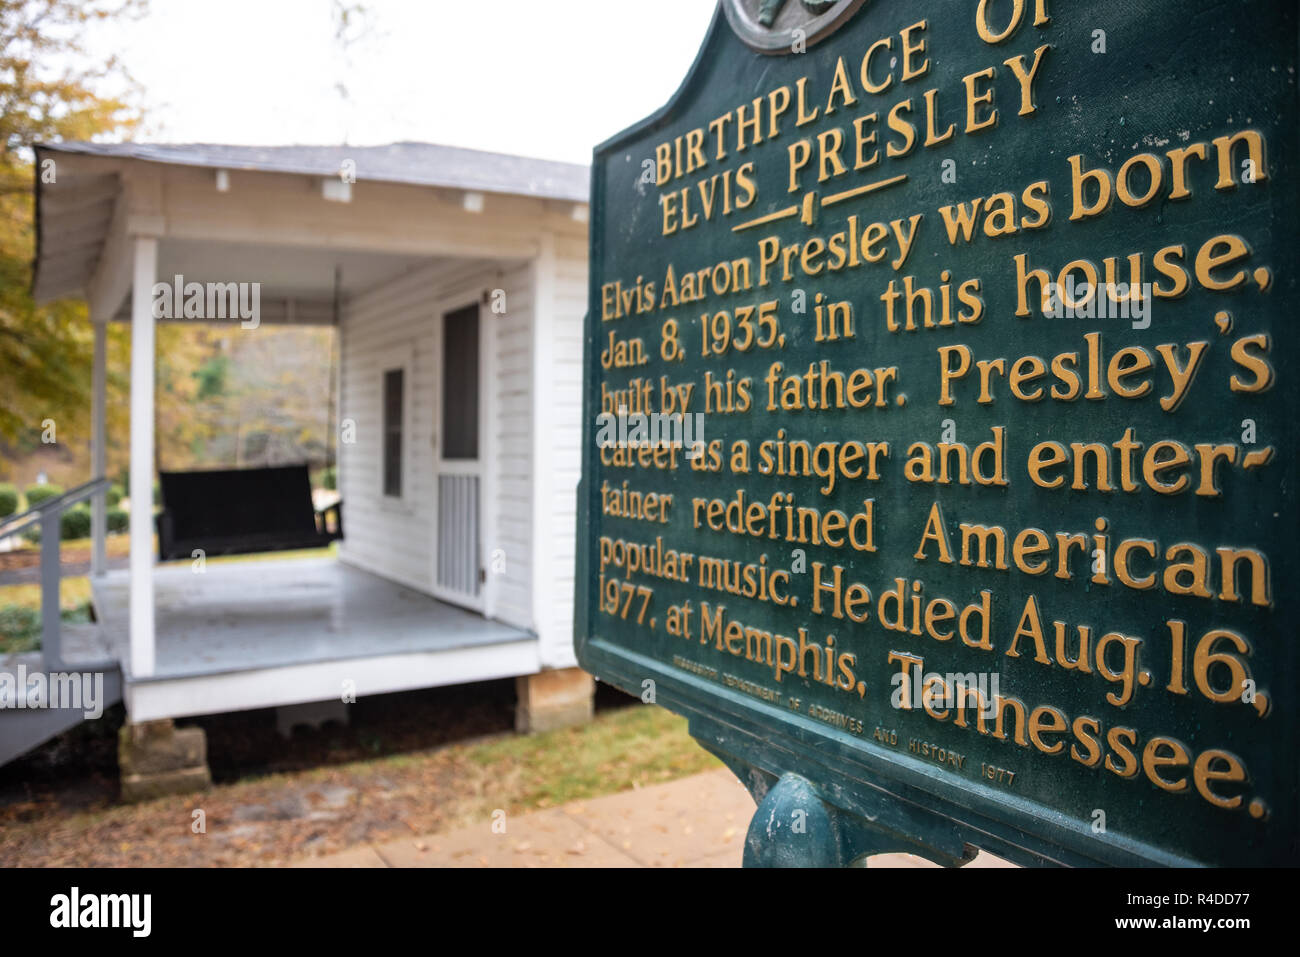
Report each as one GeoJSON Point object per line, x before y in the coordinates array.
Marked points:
{"type": "Point", "coordinates": [23, 728]}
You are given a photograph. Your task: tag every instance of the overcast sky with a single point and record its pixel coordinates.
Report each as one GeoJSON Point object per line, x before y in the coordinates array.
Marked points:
{"type": "Point", "coordinates": [545, 78]}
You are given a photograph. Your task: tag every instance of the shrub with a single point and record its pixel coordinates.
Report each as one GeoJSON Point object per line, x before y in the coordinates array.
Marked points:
{"type": "Point", "coordinates": [329, 479]}
{"type": "Point", "coordinates": [36, 494]}
{"type": "Point", "coordinates": [19, 626]}
{"type": "Point", "coordinates": [75, 522]}
{"type": "Point", "coordinates": [8, 500]}
{"type": "Point", "coordinates": [119, 520]}
{"type": "Point", "coordinates": [113, 496]}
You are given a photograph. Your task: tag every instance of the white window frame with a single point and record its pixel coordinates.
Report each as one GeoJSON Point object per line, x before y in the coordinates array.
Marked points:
{"type": "Point", "coordinates": [403, 358]}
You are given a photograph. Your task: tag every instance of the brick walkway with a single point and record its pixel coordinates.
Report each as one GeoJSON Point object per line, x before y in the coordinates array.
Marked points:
{"type": "Point", "coordinates": [698, 821]}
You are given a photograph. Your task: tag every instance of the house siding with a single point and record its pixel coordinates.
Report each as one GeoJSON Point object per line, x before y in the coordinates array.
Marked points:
{"type": "Point", "coordinates": [396, 539]}
{"type": "Point", "coordinates": [568, 291]}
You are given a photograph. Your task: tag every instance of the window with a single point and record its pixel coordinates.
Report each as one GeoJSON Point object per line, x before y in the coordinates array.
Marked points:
{"type": "Point", "coordinates": [460, 399]}
{"type": "Point", "coordinates": [394, 409]}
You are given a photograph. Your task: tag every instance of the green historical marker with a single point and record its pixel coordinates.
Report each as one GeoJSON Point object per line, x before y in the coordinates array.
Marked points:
{"type": "Point", "coordinates": [941, 426]}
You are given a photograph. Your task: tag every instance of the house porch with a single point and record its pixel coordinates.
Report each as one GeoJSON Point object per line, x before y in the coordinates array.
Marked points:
{"type": "Point", "coordinates": [273, 631]}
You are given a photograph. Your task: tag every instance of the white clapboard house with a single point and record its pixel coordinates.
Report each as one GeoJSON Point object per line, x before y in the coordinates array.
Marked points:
{"type": "Point", "coordinates": [457, 282]}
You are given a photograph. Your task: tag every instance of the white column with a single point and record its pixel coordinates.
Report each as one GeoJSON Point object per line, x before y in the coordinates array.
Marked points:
{"type": "Point", "coordinates": [99, 388]}
{"type": "Point", "coordinates": [142, 426]}
{"type": "Point", "coordinates": [556, 650]}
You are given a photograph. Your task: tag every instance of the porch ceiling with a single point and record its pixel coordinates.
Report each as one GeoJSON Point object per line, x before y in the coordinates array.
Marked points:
{"type": "Point", "coordinates": [73, 217]}
{"type": "Point", "coordinates": [304, 277]}
{"type": "Point", "coordinates": [286, 271]}
{"type": "Point", "coordinates": [265, 215]}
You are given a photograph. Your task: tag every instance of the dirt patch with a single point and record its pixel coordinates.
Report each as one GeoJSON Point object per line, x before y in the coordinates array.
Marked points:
{"type": "Point", "coordinates": [409, 764]}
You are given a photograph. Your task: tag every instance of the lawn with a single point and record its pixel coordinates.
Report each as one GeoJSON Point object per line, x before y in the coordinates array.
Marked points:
{"type": "Point", "coordinates": [284, 817]}
{"type": "Point", "coordinates": [20, 612]}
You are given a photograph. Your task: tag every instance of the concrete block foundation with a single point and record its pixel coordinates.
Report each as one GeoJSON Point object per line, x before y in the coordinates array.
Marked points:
{"type": "Point", "coordinates": [156, 758]}
{"type": "Point", "coordinates": [553, 700]}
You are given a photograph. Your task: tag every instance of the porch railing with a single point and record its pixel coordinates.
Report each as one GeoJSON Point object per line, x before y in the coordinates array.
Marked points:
{"type": "Point", "coordinates": [49, 515]}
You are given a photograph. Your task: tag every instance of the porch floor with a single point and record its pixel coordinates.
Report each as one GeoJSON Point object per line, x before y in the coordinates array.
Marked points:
{"type": "Point", "coordinates": [270, 613]}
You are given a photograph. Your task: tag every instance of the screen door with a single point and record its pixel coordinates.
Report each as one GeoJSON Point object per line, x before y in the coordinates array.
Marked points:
{"type": "Point", "coordinates": [458, 572]}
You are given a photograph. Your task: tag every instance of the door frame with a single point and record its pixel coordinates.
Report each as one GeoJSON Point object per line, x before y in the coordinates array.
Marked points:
{"type": "Point", "coordinates": [484, 467]}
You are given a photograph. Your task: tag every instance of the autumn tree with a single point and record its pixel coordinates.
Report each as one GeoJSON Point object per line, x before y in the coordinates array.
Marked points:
{"type": "Point", "coordinates": [48, 93]}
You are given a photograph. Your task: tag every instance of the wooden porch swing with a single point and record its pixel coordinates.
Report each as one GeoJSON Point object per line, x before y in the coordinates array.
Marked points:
{"type": "Point", "coordinates": [242, 511]}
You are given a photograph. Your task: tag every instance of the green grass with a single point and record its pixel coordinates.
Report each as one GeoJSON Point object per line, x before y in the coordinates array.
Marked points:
{"type": "Point", "coordinates": [117, 544]}
{"type": "Point", "coordinates": [638, 744]}
{"type": "Point", "coordinates": [20, 612]}
{"type": "Point", "coordinates": [73, 593]}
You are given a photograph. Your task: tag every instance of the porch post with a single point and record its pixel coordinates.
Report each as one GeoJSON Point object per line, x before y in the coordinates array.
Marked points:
{"type": "Point", "coordinates": [145, 254]}
{"type": "Point", "coordinates": [543, 588]}
{"type": "Point", "coordinates": [562, 694]}
{"type": "Point", "coordinates": [99, 388]}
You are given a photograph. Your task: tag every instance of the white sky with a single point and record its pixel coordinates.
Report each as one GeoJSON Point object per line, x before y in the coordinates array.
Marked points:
{"type": "Point", "coordinates": [544, 78]}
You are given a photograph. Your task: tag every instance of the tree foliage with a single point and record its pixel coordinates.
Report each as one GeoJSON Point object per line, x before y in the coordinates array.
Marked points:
{"type": "Point", "coordinates": [230, 398]}
{"type": "Point", "coordinates": [48, 93]}
{"type": "Point", "coordinates": [223, 399]}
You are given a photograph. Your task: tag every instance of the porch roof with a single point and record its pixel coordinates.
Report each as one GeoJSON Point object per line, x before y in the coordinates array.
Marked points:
{"type": "Point", "coordinates": [416, 164]}
{"type": "Point", "coordinates": [75, 210]}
